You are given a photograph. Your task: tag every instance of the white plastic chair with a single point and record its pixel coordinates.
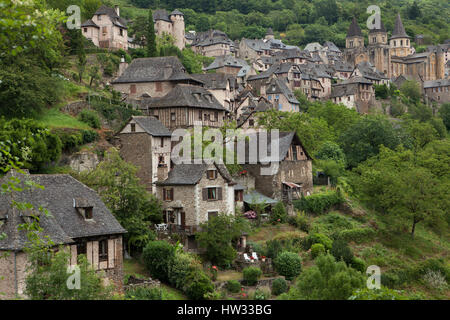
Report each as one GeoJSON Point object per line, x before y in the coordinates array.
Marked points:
{"type": "Point", "coordinates": [255, 256]}
{"type": "Point", "coordinates": [247, 259]}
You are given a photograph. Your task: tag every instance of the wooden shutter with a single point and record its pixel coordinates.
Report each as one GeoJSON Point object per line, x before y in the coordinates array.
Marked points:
{"type": "Point", "coordinates": [219, 193]}
{"type": "Point", "coordinates": [164, 194]}
{"type": "Point", "coordinates": [171, 194]}
{"type": "Point", "coordinates": [205, 194]}
{"type": "Point", "coordinates": [183, 218]}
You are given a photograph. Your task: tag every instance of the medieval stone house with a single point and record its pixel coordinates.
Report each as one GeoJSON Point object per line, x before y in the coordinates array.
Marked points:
{"type": "Point", "coordinates": [78, 220]}
{"type": "Point", "coordinates": [152, 77]}
{"type": "Point", "coordinates": [294, 174]}
{"type": "Point", "coordinates": [106, 29]}
{"type": "Point", "coordinates": [171, 24]}
{"type": "Point", "coordinates": [192, 194]}
{"type": "Point", "coordinates": [222, 86]}
{"type": "Point", "coordinates": [356, 93]}
{"type": "Point", "coordinates": [145, 142]}
{"type": "Point", "coordinates": [185, 107]}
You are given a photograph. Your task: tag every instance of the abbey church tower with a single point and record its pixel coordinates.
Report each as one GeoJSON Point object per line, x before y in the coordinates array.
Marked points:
{"type": "Point", "coordinates": [400, 42]}
{"type": "Point", "coordinates": [379, 54]}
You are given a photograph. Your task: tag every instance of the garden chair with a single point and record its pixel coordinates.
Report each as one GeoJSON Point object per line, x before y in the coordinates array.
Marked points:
{"type": "Point", "coordinates": [255, 256]}
{"type": "Point", "coordinates": [247, 259]}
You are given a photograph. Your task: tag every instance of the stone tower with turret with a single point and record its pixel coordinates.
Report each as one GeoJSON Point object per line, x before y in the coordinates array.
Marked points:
{"type": "Point", "coordinates": [379, 55]}
{"type": "Point", "coordinates": [400, 44]}
{"type": "Point", "coordinates": [269, 34]}
{"type": "Point", "coordinates": [177, 19]}
{"type": "Point", "coordinates": [355, 51]}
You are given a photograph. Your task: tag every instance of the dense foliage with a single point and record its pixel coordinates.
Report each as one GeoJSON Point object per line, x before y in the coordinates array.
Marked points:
{"type": "Point", "coordinates": [288, 264]}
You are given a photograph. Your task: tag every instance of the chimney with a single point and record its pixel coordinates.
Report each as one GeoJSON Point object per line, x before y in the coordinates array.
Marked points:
{"type": "Point", "coordinates": [116, 8]}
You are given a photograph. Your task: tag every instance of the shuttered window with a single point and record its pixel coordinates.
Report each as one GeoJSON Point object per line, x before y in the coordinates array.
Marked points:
{"type": "Point", "coordinates": [212, 194]}
{"type": "Point", "coordinates": [168, 194]}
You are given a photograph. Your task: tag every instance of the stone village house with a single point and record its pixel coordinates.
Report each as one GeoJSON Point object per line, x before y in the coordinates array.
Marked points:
{"type": "Point", "coordinates": [78, 220]}
{"type": "Point", "coordinates": [192, 194]}
{"type": "Point", "coordinates": [106, 29]}
{"type": "Point", "coordinates": [152, 77]}
{"type": "Point", "coordinates": [145, 143]}
{"type": "Point", "coordinates": [294, 176]}
{"type": "Point", "coordinates": [186, 106]}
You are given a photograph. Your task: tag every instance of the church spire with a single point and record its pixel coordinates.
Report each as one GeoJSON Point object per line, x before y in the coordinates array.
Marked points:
{"type": "Point", "coordinates": [354, 30]}
{"type": "Point", "coordinates": [399, 30]}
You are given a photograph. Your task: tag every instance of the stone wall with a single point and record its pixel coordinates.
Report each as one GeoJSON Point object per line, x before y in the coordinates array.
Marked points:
{"type": "Point", "coordinates": [13, 267]}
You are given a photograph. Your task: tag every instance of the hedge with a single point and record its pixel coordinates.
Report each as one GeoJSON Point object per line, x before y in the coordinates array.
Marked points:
{"type": "Point", "coordinates": [251, 275]}
{"type": "Point", "coordinates": [319, 203]}
{"type": "Point", "coordinates": [357, 235]}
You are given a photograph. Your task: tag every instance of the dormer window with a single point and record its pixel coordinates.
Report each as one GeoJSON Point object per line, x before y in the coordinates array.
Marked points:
{"type": "Point", "coordinates": [84, 208]}
{"type": "Point", "coordinates": [133, 127]}
{"type": "Point", "coordinates": [197, 96]}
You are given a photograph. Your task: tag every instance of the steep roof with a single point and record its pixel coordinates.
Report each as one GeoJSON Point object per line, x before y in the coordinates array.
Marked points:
{"type": "Point", "coordinates": [257, 44]}
{"type": "Point", "coordinates": [226, 61]}
{"type": "Point", "coordinates": [269, 32]}
{"type": "Point", "coordinates": [112, 14]}
{"type": "Point", "coordinates": [436, 83]}
{"type": "Point", "coordinates": [354, 30]}
{"type": "Point", "coordinates": [285, 140]}
{"type": "Point", "coordinates": [381, 29]}
{"type": "Point", "coordinates": [154, 69]}
{"type": "Point", "coordinates": [215, 80]}
{"type": "Point", "coordinates": [64, 223]}
{"type": "Point", "coordinates": [89, 23]}
{"type": "Point", "coordinates": [161, 14]}
{"type": "Point", "coordinates": [176, 12]}
{"type": "Point", "coordinates": [278, 86]}
{"type": "Point", "coordinates": [186, 96]}
{"type": "Point", "coordinates": [399, 30]}
{"type": "Point", "coordinates": [152, 126]}
{"type": "Point", "coordinates": [191, 174]}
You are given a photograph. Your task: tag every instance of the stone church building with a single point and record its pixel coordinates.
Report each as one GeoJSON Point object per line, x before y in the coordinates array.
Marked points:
{"type": "Point", "coordinates": [393, 56]}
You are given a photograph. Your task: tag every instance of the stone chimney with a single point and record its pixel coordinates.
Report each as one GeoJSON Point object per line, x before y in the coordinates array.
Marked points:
{"type": "Point", "coordinates": [263, 89]}
{"type": "Point", "coordinates": [116, 8]}
{"type": "Point", "coordinates": [122, 66]}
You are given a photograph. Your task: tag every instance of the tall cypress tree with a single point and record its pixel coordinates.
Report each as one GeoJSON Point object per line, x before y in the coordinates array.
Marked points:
{"type": "Point", "coordinates": [151, 36]}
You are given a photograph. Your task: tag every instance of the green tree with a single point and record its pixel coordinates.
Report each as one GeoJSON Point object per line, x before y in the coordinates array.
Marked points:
{"type": "Point", "coordinates": [444, 113]}
{"type": "Point", "coordinates": [288, 264]}
{"type": "Point", "coordinates": [217, 235]}
{"type": "Point", "coordinates": [364, 138]}
{"type": "Point", "coordinates": [48, 279]}
{"type": "Point", "coordinates": [411, 89]}
{"type": "Point", "coordinates": [327, 280]}
{"type": "Point", "coordinates": [136, 210]}
{"type": "Point", "coordinates": [151, 36]}
{"type": "Point", "coordinates": [157, 256]}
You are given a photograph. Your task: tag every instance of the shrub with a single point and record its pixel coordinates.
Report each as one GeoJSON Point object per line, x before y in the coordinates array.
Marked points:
{"type": "Point", "coordinates": [251, 275]}
{"type": "Point", "coordinates": [89, 136]}
{"type": "Point", "coordinates": [90, 117]}
{"type": "Point", "coordinates": [144, 293]}
{"type": "Point", "coordinates": [279, 286]}
{"type": "Point", "coordinates": [318, 238]}
{"type": "Point", "coordinates": [197, 285]}
{"type": "Point", "coordinates": [179, 268]}
{"type": "Point", "coordinates": [341, 251]}
{"type": "Point", "coordinates": [317, 249]}
{"type": "Point", "coordinates": [288, 264]}
{"type": "Point", "coordinates": [157, 255]}
{"type": "Point", "coordinates": [300, 220]}
{"type": "Point", "coordinates": [435, 279]}
{"type": "Point", "coordinates": [358, 264]}
{"type": "Point", "coordinates": [279, 213]}
{"type": "Point", "coordinates": [357, 235]}
{"type": "Point", "coordinates": [319, 203]}
{"type": "Point", "coordinates": [437, 265]}
{"type": "Point", "coordinates": [261, 294]}
{"type": "Point", "coordinates": [274, 247]}
{"type": "Point", "coordinates": [234, 286]}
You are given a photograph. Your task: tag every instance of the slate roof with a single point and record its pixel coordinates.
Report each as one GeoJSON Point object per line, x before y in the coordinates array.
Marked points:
{"type": "Point", "coordinates": [257, 44]}
{"type": "Point", "coordinates": [368, 71]}
{"type": "Point", "coordinates": [215, 80]}
{"type": "Point", "coordinates": [152, 126]}
{"type": "Point", "coordinates": [161, 14]}
{"type": "Point", "coordinates": [64, 223]}
{"type": "Point", "coordinates": [176, 12]}
{"type": "Point", "coordinates": [191, 174]}
{"type": "Point", "coordinates": [278, 86]}
{"type": "Point", "coordinates": [269, 32]}
{"type": "Point", "coordinates": [254, 197]}
{"type": "Point", "coordinates": [285, 140]}
{"type": "Point", "coordinates": [314, 46]}
{"type": "Point", "coordinates": [381, 29]}
{"type": "Point", "coordinates": [331, 47]}
{"type": "Point", "coordinates": [112, 14]}
{"type": "Point", "coordinates": [226, 61]}
{"type": "Point", "coordinates": [89, 23]}
{"type": "Point", "coordinates": [399, 30]}
{"type": "Point", "coordinates": [185, 96]}
{"type": "Point", "coordinates": [436, 83]}
{"type": "Point", "coordinates": [347, 87]}
{"type": "Point", "coordinates": [154, 69]}
{"type": "Point", "coordinates": [354, 30]}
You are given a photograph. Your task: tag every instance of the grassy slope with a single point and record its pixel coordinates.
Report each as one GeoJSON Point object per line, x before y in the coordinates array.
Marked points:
{"type": "Point", "coordinates": [398, 251]}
